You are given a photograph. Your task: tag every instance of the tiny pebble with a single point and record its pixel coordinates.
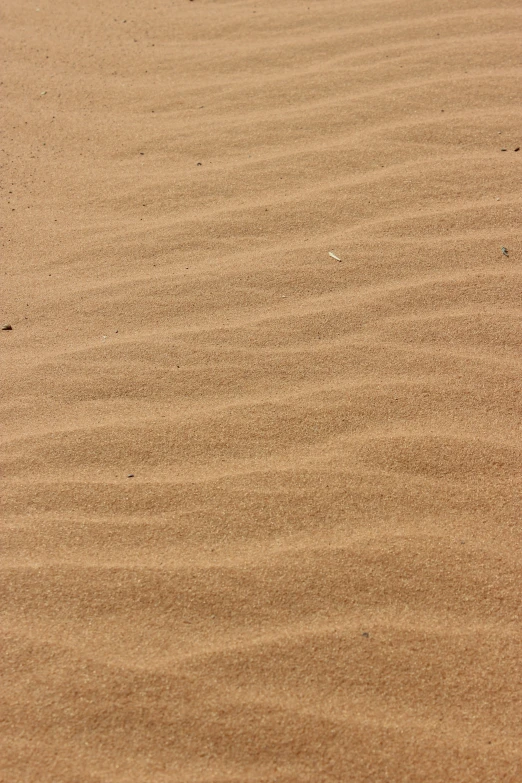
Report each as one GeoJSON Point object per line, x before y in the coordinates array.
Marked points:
{"type": "Point", "coordinates": [130, 475]}
{"type": "Point", "coordinates": [366, 634]}
{"type": "Point", "coordinates": [7, 328]}
{"type": "Point", "coordinates": [517, 149]}
{"type": "Point", "coordinates": [504, 149]}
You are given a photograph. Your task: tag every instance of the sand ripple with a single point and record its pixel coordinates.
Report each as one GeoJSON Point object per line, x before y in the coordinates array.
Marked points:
{"type": "Point", "coordinates": [260, 506]}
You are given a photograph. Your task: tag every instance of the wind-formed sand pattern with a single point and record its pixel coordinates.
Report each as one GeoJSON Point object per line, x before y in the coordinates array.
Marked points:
{"type": "Point", "coordinates": [260, 408]}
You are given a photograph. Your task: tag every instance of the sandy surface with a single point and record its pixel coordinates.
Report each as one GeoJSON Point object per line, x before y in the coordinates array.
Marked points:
{"type": "Point", "coordinates": [261, 510]}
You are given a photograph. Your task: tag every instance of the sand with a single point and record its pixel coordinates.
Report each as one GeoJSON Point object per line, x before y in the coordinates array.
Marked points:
{"type": "Point", "coordinates": [261, 507]}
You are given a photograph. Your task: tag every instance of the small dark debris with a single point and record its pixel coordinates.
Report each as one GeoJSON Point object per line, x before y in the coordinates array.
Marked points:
{"type": "Point", "coordinates": [366, 635]}
{"type": "Point", "coordinates": [130, 475]}
{"type": "Point", "coordinates": [199, 164]}
{"type": "Point", "coordinates": [516, 149]}
{"type": "Point", "coordinates": [142, 153]}
{"type": "Point", "coordinates": [504, 149]}
{"type": "Point", "coordinates": [7, 328]}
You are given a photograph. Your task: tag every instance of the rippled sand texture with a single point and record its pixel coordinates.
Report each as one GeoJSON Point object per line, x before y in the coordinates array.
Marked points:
{"type": "Point", "coordinates": [313, 573]}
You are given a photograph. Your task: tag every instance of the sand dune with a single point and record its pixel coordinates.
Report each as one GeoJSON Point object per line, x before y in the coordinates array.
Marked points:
{"type": "Point", "coordinates": [261, 507]}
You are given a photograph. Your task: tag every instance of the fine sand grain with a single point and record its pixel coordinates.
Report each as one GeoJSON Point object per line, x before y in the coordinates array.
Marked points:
{"type": "Point", "coordinates": [261, 396]}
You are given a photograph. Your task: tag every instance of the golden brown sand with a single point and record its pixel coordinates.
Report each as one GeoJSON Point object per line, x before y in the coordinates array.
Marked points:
{"type": "Point", "coordinates": [313, 572]}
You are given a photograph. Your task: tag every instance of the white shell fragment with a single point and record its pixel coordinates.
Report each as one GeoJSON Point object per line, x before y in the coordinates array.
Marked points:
{"type": "Point", "coordinates": [334, 256]}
